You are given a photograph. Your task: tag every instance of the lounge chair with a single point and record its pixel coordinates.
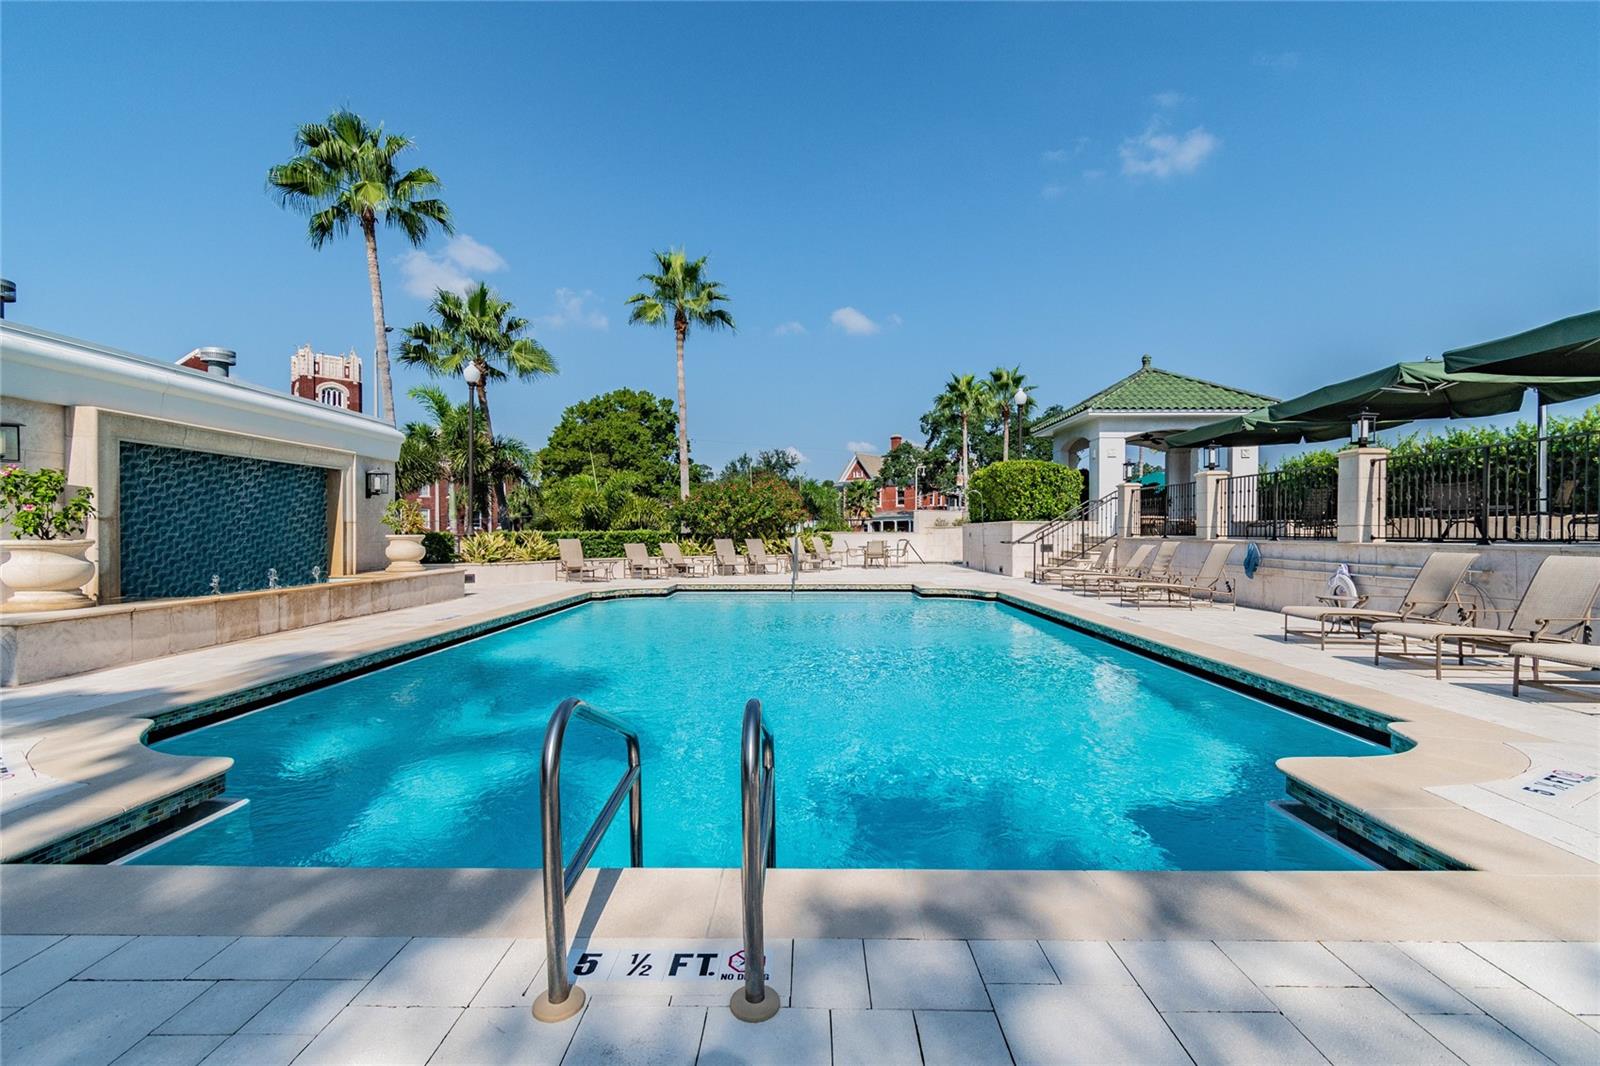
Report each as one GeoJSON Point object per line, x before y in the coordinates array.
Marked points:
{"type": "Point", "coordinates": [1576, 656]}
{"type": "Point", "coordinates": [875, 553]}
{"type": "Point", "coordinates": [1431, 597]}
{"type": "Point", "coordinates": [728, 559]}
{"type": "Point", "coordinates": [1082, 579]}
{"type": "Point", "coordinates": [1209, 582]}
{"type": "Point", "coordinates": [757, 559]}
{"type": "Point", "coordinates": [574, 567]}
{"type": "Point", "coordinates": [1097, 558]}
{"type": "Point", "coordinates": [824, 557]}
{"type": "Point", "coordinates": [1554, 608]}
{"type": "Point", "coordinates": [684, 565]}
{"type": "Point", "coordinates": [640, 563]}
{"type": "Point", "coordinates": [843, 549]}
{"type": "Point", "coordinates": [1159, 569]}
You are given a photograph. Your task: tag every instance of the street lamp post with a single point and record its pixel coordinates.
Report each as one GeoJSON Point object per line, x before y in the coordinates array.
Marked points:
{"type": "Point", "coordinates": [1019, 401]}
{"type": "Point", "coordinates": [472, 375]}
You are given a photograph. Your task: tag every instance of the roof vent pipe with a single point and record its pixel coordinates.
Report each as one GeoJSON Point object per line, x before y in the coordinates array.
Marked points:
{"type": "Point", "coordinates": [218, 361]}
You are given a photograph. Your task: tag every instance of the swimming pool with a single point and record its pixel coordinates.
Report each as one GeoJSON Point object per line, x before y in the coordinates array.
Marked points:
{"type": "Point", "coordinates": [911, 733]}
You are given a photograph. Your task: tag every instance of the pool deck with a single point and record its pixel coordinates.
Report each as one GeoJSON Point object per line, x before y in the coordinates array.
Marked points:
{"type": "Point", "coordinates": [1156, 965]}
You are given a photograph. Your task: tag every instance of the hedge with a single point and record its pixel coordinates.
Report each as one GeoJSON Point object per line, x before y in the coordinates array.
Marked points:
{"type": "Point", "coordinates": [607, 543]}
{"type": "Point", "coordinates": [1024, 490]}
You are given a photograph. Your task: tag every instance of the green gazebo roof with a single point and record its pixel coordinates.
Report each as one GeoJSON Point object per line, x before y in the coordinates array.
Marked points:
{"type": "Point", "coordinates": [1152, 389]}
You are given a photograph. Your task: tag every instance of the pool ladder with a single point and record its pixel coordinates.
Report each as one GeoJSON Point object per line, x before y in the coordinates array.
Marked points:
{"type": "Point", "coordinates": [755, 1001]}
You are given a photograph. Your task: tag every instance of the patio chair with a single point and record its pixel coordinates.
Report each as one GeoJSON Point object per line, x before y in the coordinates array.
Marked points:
{"type": "Point", "coordinates": [1576, 656]}
{"type": "Point", "coordinates": [822, 558]}
{"type": "Point", "coordinates": [640, 563]}
{"type": "Point", "coordinates": [1160, 569]}
{"type": "Point", "coordinates": [1082, 579]}
{"type": "Point", "coordinates": [574, 567]}
{"type": "Point", "coordinates": [1209, 582]}
{"type": "Point", "coordinates": [1431, 597]}
{"type": "Point", "coordinates": [843, 549]}
{"type": "Point", "coordinates": [727, 560]}
{"type": "Point", "coordinates": [1554, 608]}
{"type": "Point", "coordinates": [1096, 558]}
{"type": "Point", "coordinates": [757, 559]}
{"type": "Point", "coordinates": [683, 565]}
{"type": "Point", "coordinates": [876, 553]}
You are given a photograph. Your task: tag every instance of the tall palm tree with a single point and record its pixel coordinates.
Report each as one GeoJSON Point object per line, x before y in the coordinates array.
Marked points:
{"type": "Point", "coordinates": [966, 397]}
{"type": "Point", "coordinates": [345, 174]}
{"type": "Point", "coordinates": [436, 450]}
{"type": "Point", "coordinates": [1003, 386]}
{"type": "Point", "coordinates": [680, 296]}
{"type": "Point", "coordinates": [479, 330]}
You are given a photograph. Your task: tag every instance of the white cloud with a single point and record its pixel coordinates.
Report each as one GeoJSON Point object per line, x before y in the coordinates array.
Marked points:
{"type": "Point", "coordinates": [1169, 99]}
{"type": "Point", "coordinates": [1160, 154]}
{"type": "Point", "coordinates": [895, 320]}
{"type": "Point", "coordinates": [1277, 60]}
{"type": "Point", "coordinates": [454, 268]}
{"type": "Point", "coordinates": [866, 447]}
{"type": "Point", "coordinates": [573, 310]}
{"type": "Point", "coordinates": [854, 322]}
{"type": "Point", "coordinates": [795, 453]}
{"type": "Point", "coordinates": [789, 329]}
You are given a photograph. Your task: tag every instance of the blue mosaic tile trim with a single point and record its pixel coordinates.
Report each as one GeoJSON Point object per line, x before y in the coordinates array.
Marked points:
{"type": "Point", "coordinates": [1406, 849]}
{"type": "Point", "coordinates": [187, 515]}
{"type": "Point", "coordinates": [87, 841]}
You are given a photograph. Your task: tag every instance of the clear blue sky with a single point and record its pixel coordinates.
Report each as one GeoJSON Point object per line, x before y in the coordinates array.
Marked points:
{"type": "Point", "coordinates": [1269, 196]}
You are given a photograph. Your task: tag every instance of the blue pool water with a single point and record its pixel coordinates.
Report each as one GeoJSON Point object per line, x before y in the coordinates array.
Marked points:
{"type": "Point", "coordinates": [911, 732]}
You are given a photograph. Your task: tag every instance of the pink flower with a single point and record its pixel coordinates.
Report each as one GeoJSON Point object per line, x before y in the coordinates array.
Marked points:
{"type": "Point", "coordinates": [27, 507]}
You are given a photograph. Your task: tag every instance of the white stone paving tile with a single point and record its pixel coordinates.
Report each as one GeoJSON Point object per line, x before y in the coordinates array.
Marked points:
{"type": "Point", "coordinates": [1215, 1039]}
{"type": "Point", "coordinates": [157, 958]}
{"type": "Point", "coordinates": [435, 972]}
{"type": "Point", "coordinates": [222, 1008]}
{"type": "Point", "coordinates": [266, 958]}
{"type": "Point", "coordinates": [620, 1032]}
{"type": "Point", "coordinates": [20, 947]}
{"type": "Point", "coordinates": [257, 1049]}
{"type": "Point", "coordinates": [961, 1038]}
{"type": "Point", "coordinates": [517, 978]}
{"type": "Point", "coordinates": [1302, 963]}
{"type": "Point", "coordinates": [89, 1023]}
{"type": "Point", "coordinates": [1557, 1035]}
{"type": "Point", "coordinates": [1189, 975]}
{"type": "Point", "coordinates": [304, 1007]}
{"type": "Point", "coordinates": [61, 961]}
{"type": "Point", "coordinates": [1358, 1027]}
{"type": "Point", "coordinates": [1086, 962]}
{"type": "Point", "coordinates": [380, 1036]}
{"type": "Point", "coordinates": [1402, 980]}
{"type": "Point", "coordinates": [1058, 1024]}
{"type": "Point", "coordinates": [875, 1038]}
{"type": "Point", "coordinates": [1012, 962]}
{"type": "Point", "coordinates": [356, 958]}
{"type": "Point", "coordinates": [1479, 1040]}
{"type": "Point", "coordinates": [504, 1036]}
{"type": "Point", "coordinates": [796, 1037]}
{"type": "Point", "coordinates": [1568, 974]}
{"type": "Point", "coordinates": [830, 973]}
{"type": "Point", "coordinates": [924, 975]}
{"type": "Point", "coordinates": [1457, 965]}
{"type": "Point", "coordinates": [1592, 1020]}
{"type": "Point", "coordinates": [170, 1051]}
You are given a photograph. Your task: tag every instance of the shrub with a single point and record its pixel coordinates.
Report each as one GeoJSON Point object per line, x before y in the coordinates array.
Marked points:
{"type": "Point", "coordinates": [762, 507]}
{"type": "Point", "coordinates": [508, 546]}
{"type": "Point", "coordinates": [1024, 490]}
{"type": "Point", "coordinates": [440, 547]}
{"type": "Point", "coordinates": [603, 543]}
{"type": "Point", "coordinates": [32, 502]}
{"type": "Point", "coordinates": [404, 518]}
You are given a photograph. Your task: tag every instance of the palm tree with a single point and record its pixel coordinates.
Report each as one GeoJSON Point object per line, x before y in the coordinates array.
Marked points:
{"type": "Point", "coordinates": [680, 295]}
{"type": "Point", "coordinates": [1003, 386]}
{"type": "Point", "coordinates": [479, 330]}
{"type": "Point", "coordinates": [436, 450]}
{"type": "Point", "coordinates": [345, 174]}
{"type": "Point", "coordinates": [965, 396]}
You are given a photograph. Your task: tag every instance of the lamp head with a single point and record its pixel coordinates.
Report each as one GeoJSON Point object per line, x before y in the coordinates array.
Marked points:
{"type": "Point", "coordinates": [471, 374]}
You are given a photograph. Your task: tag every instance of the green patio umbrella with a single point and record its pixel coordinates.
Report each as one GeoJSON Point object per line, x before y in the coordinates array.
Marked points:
{"type": "Point", "coordinates": [1569, 347]}
{"type": "Point", "coordinates": [1259, 427]}
{"type": "Point", "coordinates": [1406, 392]}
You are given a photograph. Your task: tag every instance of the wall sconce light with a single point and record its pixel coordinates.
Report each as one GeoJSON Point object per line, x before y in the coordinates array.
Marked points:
{"type": "Point", "coordinates": [1130, 470]}
{"type": "Point", "coordinates": [1362, 429]}
{"type": "Point", "coordinates": [1213, 456]}
{"type": "Point", "coordinates": [377, 483]}
{"type": "Point", "coordinates": [10, 442]}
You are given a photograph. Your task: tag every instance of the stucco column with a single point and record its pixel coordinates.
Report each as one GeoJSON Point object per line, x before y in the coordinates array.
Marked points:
{"type": "Point", "coordinates": [1128, 509]}
{"type": "Point", "coordinates": [1362, 495]}
{"type": "Point", "coordinates": [1210, 490]}
{"type": "Point", "coordinates": [1105, 463]}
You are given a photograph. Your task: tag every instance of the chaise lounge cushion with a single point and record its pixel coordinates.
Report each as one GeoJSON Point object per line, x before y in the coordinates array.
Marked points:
{"type": "Point", "coordinates": [1431, 630]}
{"type": "Point", "coordinates": [1318, 612]}
{"type": "Point", "coordinates": [1579, 655]}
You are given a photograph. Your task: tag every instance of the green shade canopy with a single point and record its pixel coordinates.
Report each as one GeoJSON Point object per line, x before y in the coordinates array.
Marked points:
{"type": "Point", "coordinates": [1406, 392]}
{"type": "Point", "coordinates": [1259, 427]}
{"type": "Point", "coordinates": [1567, 348]}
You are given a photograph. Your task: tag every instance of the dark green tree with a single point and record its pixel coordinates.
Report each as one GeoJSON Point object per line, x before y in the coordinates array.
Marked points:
{"type": "Point", "coordinates": [625, 431]}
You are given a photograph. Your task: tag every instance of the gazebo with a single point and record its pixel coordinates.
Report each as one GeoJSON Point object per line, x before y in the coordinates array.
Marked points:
{"type": "Point", "coordinates": [1139, 412]}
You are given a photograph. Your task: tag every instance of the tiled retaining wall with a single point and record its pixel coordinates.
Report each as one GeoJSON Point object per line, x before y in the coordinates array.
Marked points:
{"type": "Point", "coordinates": [88, 841]}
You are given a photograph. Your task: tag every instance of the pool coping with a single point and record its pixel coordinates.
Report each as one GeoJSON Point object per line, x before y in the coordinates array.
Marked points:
{"type": "Point", "coordinates": [1384, 796]}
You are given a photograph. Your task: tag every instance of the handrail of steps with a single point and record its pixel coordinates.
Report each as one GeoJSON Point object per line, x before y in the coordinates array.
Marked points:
{"type": "Point", "coordinates": [756, 1001]}
{"type": "Point", "coordinates": [1098, 517]}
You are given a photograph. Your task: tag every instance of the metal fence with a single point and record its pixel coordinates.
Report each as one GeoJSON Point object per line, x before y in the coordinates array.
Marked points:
{"type": "Point", "coordinates": [1494, 492]}
{"type": "Point", "coordinates": [1080, 530]}
{"type": "Point", "coordinates": [1167, 510]}
{"type": "Point", "coordinates": [1284, 505]}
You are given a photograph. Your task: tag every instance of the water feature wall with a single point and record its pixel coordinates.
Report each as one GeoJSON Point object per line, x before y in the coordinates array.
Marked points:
{"type": "Point", "coordinates": [186, 516]}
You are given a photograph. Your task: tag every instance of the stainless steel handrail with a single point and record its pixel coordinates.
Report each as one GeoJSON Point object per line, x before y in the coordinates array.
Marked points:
{"type": "Point", "coordinates": [756, 1002]}
{"type": "Point", "coordinates": [562, 999]}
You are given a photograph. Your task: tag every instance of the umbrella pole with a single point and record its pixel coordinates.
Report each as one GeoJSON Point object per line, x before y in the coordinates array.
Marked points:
{"type": "Point", "coordinates": [1544, 469]}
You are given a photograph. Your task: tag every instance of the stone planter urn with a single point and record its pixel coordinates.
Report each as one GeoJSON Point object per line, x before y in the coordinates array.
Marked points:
{"type": "Point", "coordinates": [404, 552]}
{"type": "Point", "coordinates": [46, 575]}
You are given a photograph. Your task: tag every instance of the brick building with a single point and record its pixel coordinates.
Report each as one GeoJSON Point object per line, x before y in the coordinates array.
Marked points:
{"type": "Point", "coordinates": [334, 380]}
{"type": "Point", "coordinates": [894, 509]}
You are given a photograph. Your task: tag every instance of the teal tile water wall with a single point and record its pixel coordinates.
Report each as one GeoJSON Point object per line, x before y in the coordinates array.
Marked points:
{"type": "Point", "coordinates": [187, 515]}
